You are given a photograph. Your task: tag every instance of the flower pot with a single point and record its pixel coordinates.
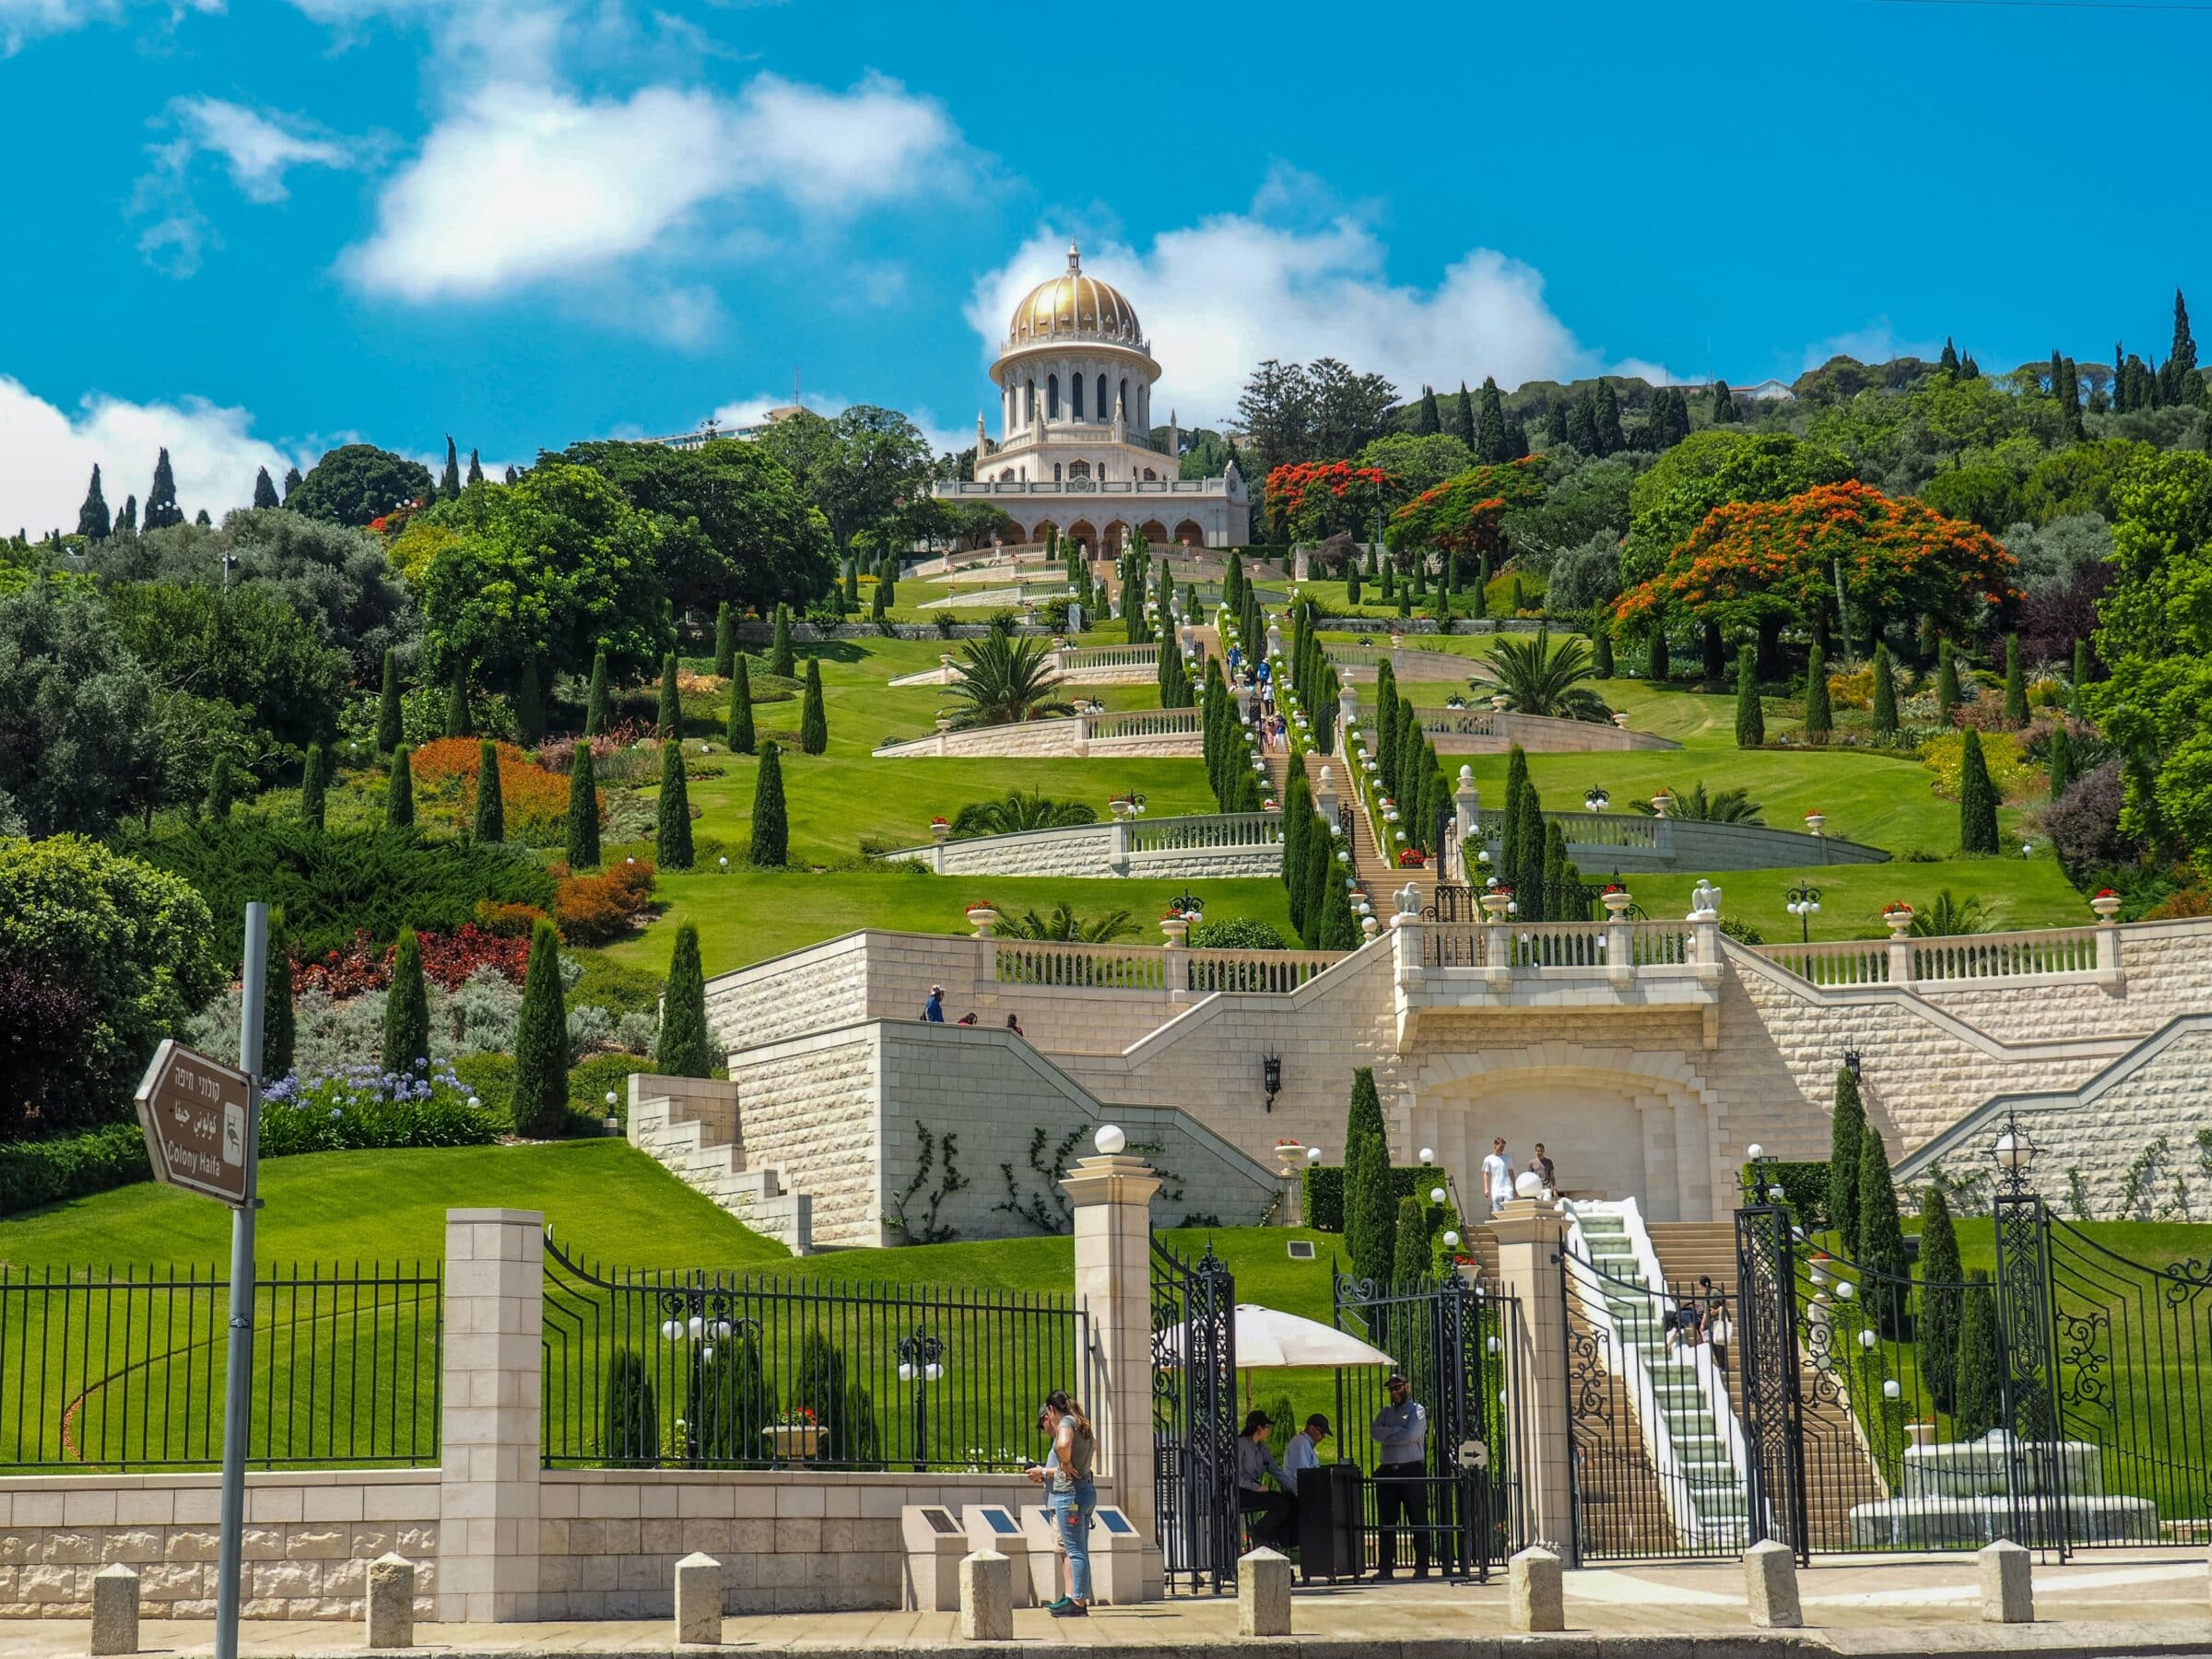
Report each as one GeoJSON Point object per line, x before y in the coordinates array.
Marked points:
{"type": "Point", "coordinates": [1616, 904]}
{"type": "Point", "coordinates": [788, 1443]}
{"type": "Point", "coordinates": [983, 918]}
{"type": "Point", "coordinates": [2106, 905]}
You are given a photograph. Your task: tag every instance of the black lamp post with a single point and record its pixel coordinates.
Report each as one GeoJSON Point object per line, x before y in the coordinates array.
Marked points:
{"type": "Point", "coordinates": [703, 1316]}
{"type": "Point", "coordinates": [919, 1358]}
{"type": "Point", "coordinates": [1803, 904]}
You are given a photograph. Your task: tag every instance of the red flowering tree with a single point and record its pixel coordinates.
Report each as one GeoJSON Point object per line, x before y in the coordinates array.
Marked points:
{"type": "Point", "coordinates": [1464, 515]}
{"type": "Point", "coordinates": [1761, 566]}
{"type": "Point", "coordinates": [1308, 500]}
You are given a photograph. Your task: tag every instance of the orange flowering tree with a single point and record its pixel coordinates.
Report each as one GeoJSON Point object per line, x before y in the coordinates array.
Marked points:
{"type": "Point", "coordinates": [1310, 500]}
{"type": "Point", "coordinates": [1761, 566]}
{"type": "Point", "coordinates": [1466, 515]}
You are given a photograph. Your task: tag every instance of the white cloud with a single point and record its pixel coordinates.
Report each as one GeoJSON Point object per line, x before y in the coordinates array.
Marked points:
{"type": "Point", "coordinates": [22, 21]}
{"type": "Point", "coordinates": [257, 149]}
{"type": "Point", "coordinates": [526, 182]}
{"type": "Point", "coordinates": [1878, 342]}
{"type": "Point", "coordinates": [51, 453]}
{"type": "Point", "coordinates": [1220, 296]}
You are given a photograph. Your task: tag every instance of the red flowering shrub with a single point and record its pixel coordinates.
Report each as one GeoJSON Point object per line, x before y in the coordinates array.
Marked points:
{"type": "Point", "coordinates": [535, 800]}
{"type": "Point", "coordinates": [1464, 514]}
{"type": "Point", "coordinates": [591, 909]}
{"type": "Point", "coordinates": [450, 959]}
{"type": "Point", "coordinates": [510, 921]}
{"type": "Point", "coordinates": [1310, 500]}
{"type": "Point", "coordinates": [362, 965]}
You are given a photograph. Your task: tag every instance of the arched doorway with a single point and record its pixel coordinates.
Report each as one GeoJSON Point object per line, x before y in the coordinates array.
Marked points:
{"type": "Point", "coordinates": [1085, 534]}
{"type": "Point", "coordinates": [1190, 533]}
{"type": "Point", "coordinates": [1117, 538]}
{"type": "Point", "coordinates": [1154, 532]}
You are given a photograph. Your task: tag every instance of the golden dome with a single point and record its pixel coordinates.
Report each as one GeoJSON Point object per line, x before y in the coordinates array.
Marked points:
{"type": "Point", "coordinates": [1074, 307]}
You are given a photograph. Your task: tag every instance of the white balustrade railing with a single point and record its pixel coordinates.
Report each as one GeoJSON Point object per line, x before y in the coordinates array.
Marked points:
{"type": "Point", "coordinates": [1061, 965]}
{"type": "Point", "coordinates": [1274, 971]}
{"type": "Point", "coordinates": [1591, 828]}
{"type": "Point", "coordinates": [1107, 657]}
{"type": "Point", "coordinates": [1214, 829]}
{"type": "Point", "coordinates": [1142, 723]}
{"type": "Point", "coordinates": [1835, 962]}
{"type": "Point", "coordinates": [2006, 955]}
{"type": "Point", "coordinates": [1556, 945]}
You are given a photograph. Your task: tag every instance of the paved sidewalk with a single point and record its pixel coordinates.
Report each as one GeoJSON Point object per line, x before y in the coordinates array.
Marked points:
{"type": "Point", "coordinates": [2128, 1603]}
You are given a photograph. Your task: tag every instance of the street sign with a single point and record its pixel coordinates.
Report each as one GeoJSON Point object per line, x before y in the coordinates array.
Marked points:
{"type": "Point", "coordinates": [197, 1115]}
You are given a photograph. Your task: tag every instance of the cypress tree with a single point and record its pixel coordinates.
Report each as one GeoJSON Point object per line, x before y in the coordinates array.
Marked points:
{"type": "Point", "coordinates": [1528, 877]}
{"type": "Point", "coordinates": [201, 519]}
{"type": "Point", "coordinates": [457, 704]}
{"type": "Point", "coordinates": [291, 481]}
{"type": "Point", "coordinates": [741, 709]}
{"type": "Point", "coordinates": [1552, 892]}
{"type": "Point", "coordinates": [2060, 757]}
{"type": "Point", "coordinates": [92, 517]}
{"type": "Point", "coordinates": [2016, 687]}
{"type": "Point", "coordinates": [1409, 1261]}
{"type": "Point", "coordinates": [399, 792]}
{"type": "Point", "coordinates": [2081, 675]}
{"type": "Point", "coordinates": [406, 1008]}
{"type": "Point", "coordinates": [1299, 825]}
{"type": "Point", "coordinates": [595, 700]}
{"type": "Point", "coordinates": [1516, 785]}
{"type": "Point", "coordinates": [1351, 581]}
{"type": "Point", "coordinates": [1320, 876]}
{"type": "Point", "coordinates": [771, 831]}
{"type": "Point", "coordinates": [279, 1020]}
{"type": "Point", "coordinates": [529, 703]}
{"type": "Point", "coordinates": [1881, 1237]}
{"type": "Point", "coordinates": [449, 481]}
{"type": "Point", "coordinates": [1386, 722]}
{"type": "Point", "coordinates": [1462, 416]}
{"type": "Point", "coordinates": [583, 811]}
{"type": "Point", "coordinates": [475, 468]}
{"type": "Point", "coordinates": [541, 1041]}
{"type": "Point", "coordinates": [387, 708]}
{"type": "Point", "coordinates": [670, 725]}
{"type": "Point", "coordinates": [814, 720]}
{"type": "Point", "coordinates": [1978, 1375]}
{"type": "Point", "coordinates": [879, 599]}
{"type": "Point", "coordinates": [1750, 715]}
{"type": "Point", "coordinates": [1658, 668]}
{"type": "Point", "coordinates": [2181, 384]}
{"type": "Point", "coordinates": [1724, 404]}
{"type": "Point", "coordinates": [684, 1049]}
{"type": "Point", "coordinates": [672, 837]}
{"type": "Point", "coordinates": [1519, 596]}
{"type": "Point", "coordinates": [313, 782]}
{"type": "Point", "coordinates": [1607, 413]}
{"type": "Point", "coordinates": [1948, 361]}
{"type": "Point", "coordinates": [1601, 637]}
{"type": "Point", "coordinates": [1490, 425]}
{"type": "Point", "coordinates": [219, 787]}
{"type": "Point", "coordinates": [1429, 420]}
{"type": "Point", "coordinates": [1716, 650]}
{"type": "Point", "coordinates": [725, 639]}
{"type": "Point", "coordinates": [781, 661]}
{"type": "Point", "coordinates": [161, 509]}
{"type": "Point", "coordinates": [1820, 716]}
{"type": "Point", "coordinates": [1977, 800]}
{"type": "Point", "coordinates": [1847, 1130]}
{"type": "Point", "coordinates": [1339, 927]}
{"type": "Point", "coordinates": [1420, 574]}
{"type": "Point", "coordinates": [1364, 1135]}
{"type": "Point", "coordinates": [126, 521]}
{"type": "Point", "coordinates": [491, 805]}
{"type": "Point", "coordinates": [1946, 682]}
{"type": "Point", "coordinates": [1884, 693]}
{"type": "Point", "coordinates": [1941, 1296]}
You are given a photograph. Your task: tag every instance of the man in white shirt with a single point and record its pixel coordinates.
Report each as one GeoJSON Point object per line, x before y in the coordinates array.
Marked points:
{"type": "Point", "coordinates": [1498, 1175]}
{"type": "Point", "coordinates": [1304, 1452]}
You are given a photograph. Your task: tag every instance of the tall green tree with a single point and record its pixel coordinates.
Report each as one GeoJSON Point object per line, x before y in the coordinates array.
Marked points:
{"type": "Point", "coordinates": [1942, 1298]}
{"type": "Point", "coordinates": [1881, 1237]}
{"type": "Point", "coordinates": [1299, 826]}
{"type": "Point", "coordinates": [772, 830]}
{"type": "Point", "coordinates": [387, 707]}
{"type": "Point", "coordinates": [1462, 416]}
{"type": "Point", "coordinates": [1847, 1130]}
{"type": "Point", "coordinates": [1819, 713]}
{"type": "Point", "coordinates": [162, 510]}
{"type": "Point", "coordinates": [781, 663]}
{"type": "Point", "coordinates": [315, 781]}
{"type": "Point", "coordinates": [2016, 687]}
{"type": "Point", "coordinates": [583, 810]}
{"type": "Point", "coordinates": [475, 467]}
{"type": "Point", "coordinates": [221, 786]}
{"type": "Point", "coordinates": [595, 705]}
{"type": "Point", "coordinates": [1427, 419]}
{"type": "Point", "coordinates": [1885, 692]}
{"type": "Point", "coordinates": [725, 639]}
{"type": "Point", "coordinates": [1977, 1376]}
{"type": "Point", "coordinates": [457, 704]}
{"type": "Point", "coordinates": [671, 839]}
{"type": "Point", "coordinates": [740, 733]}
{"type": "Point", "coordinates": [407, 1009]}
{"type": "Point", "coordinates": [2059, 756]}
{"type": "Point", "coordinates": [279, 1017]}
{"type": "Point", "coordinates": [684, 1047]}
{"type": "Point", "coordinates": [1364, 1135]}
{"type": "Point", "coordinates": [1601, 656]}
{"type": "Point", "coordinates": [814, 719]}
{"type": "Point", "coordinates": [492, 805]}
{"type": "Point", "coordinates": [1750, 713]}
{"type": "Point", "coordinates": [1490, 444]}
{"type": "Point", "coordinates": [399, 790]}
{"type": "Point", "coordinates": [670, 726]}
{"type": "Point", "coordinates": [541, 1041]}
{"type": "Point", "coordinates": [92, 517]}
{"type": "Point", "coordinates": [1656, 664]}
{"type": "Point", "coordinates": [449, 481]}
{"type": "Point", "coordinates": [1410, 1256]}
{"type": "Point", "coordinates": [529, 703]}
{"type": "Point", "coordinates": [1724, 404]}
{"type": "Point", "coordinates": [1977, 801]}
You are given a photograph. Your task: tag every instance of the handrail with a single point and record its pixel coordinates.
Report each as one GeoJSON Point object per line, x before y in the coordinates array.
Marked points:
{"type": "Point", "coordinates": [1586, 829]}
{"type": "Point", "coordinates": [2005, 955]}
{"type": "Point", "coordinates": [1069, 965]}
{"type": "Point", "coordinates": [1208, 829]}
{"type": "Point", "coordinates": [1107, 657]}
{"type": "Point", "coordinates": [1556, 945]}
{"type": "Point", "coordinates": [1834, 962]}
{"type": "Point", "coordinates": [1141, 723]}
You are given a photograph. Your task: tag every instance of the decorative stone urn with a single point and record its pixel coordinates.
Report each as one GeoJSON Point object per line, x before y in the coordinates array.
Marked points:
{"type": "Point", "coordinates": [1494, 903]}
{"type": "Point", "coordinates": [1621, 719]}
{"type": "Point", "coordinates": [2106, 905]}
{"type": "Point", "coordinates": [938, 830]}
{"type": "Point", "coordinates": [1814, 820]}
{"type": "Point", "coordinates": [983, 918]}
{"type": "Point", "coordinates": [1617, 904]}
{"type": "Point", "coordinates": [1660, 802]}
{"type": "Point", "coordinates": [1501, 703]}
{"type": "Point", "coordinates": [1898, 919]}
{"type": "Point", "coordinates": [1176, 928]}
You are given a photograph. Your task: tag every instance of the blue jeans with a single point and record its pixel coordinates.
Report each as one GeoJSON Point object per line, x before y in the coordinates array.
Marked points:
{"type": "Point", "coordinates": [1071, 1513]}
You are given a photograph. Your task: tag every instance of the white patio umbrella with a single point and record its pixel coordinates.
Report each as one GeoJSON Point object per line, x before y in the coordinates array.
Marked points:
{"type": "Point", "coordinates": [1268, 1338]}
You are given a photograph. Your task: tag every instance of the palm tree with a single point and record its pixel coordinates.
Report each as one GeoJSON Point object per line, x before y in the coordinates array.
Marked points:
{"type": "Point", "coordinates": [1950, 914]}
{"type": "Point", "coordinates": [1063, 926]}
{"type": "Point", "coordinates": [1004, 680]}
{"type": "Point", "coordinates": [1019, 812]}
{"type": "Point", "coordinates": [1729, 807]}
{"type": "Point", "coordinates": [1540, 680]}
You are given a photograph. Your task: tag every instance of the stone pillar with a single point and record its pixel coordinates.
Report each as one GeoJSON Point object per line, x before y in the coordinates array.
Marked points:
{"type": "Point", "coordinates": [1113, 1198]}
{"type": "Point", "coordinates": [390, 1613]}
{"type": "Point", "coordinates": [1348, 717]}
{"type": "Point", "coordinates": [1466, 802]}
{"type": "Point", "coordinates": [699, 1600]}
{"type": "Point", "coordinates": [1901, 946]}
{"type": "Point", "coordinates": [1530, 1235]}
{"type": "Point", "coordinates": [2007, 1583]}
{"type": "Point", "coordinates": [1535, 1591]}
{"type": "Point", "coordinates": [1770, 1586]}
{"type": "Point", "coordinates": [114, 1610]}
{"type": "Point", "coordinates": [1118, 856]}
{"type": "Point", "coordinates": [488, 1487]}
{"type": "Point", "coordinates": [2107, 938]}
{"type": "Point", "coordinates": [1275, 641]}
{"type": "Point", "coordinates": [1324, 796]}
{"type": "Point", "coordinates": [986, 1597]}
{"type": "Point", "coordinates": [1406, 945]}
{"type": "Point", "coordinates": [1264, 1594]}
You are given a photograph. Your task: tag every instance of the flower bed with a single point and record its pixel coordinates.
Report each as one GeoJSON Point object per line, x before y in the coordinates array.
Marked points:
{"type": "Point", "coordinates": [447, 959]}
{"type": "Point", "coordinates": [361, 1107]}
{"type": "Point", "coordinates": [591, 909]}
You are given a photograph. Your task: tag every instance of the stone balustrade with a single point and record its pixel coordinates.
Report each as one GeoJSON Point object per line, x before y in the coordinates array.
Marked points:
{"type": "Point", "coordinates": [1630, 845]}
{"type": "Point", "coordinates": [1587, 965]}
{"type": "Point", "coordinates": [1072, 659]}
{"type": "Point", "coordinates": [2053, 956]}
{"type": "Point", "coordinates": [1474, 731]}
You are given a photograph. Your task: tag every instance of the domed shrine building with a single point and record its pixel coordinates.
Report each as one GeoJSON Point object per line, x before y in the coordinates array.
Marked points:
{"type": "Point", "coordinates": [1074, 452]}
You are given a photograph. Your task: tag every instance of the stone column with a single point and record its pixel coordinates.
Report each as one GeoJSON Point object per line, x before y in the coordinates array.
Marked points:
{"type": "Point", "coordinates": [1466, 815]}
{"type": "Point", "coordinates": [489, 1431]}
{"type": "Point", "coordinates": [1324, 796]}
{"type": "Point", "coordinates": [1112, 1198]}
{"type": "Point", "coordinates": [2107, 939]}
{"type": "Point", "coordinates": [1348, 717]}
{"type": "Point", "coordinates": [1530, 1235]}
{"type": "Point", "coordinates": [1901, 946]}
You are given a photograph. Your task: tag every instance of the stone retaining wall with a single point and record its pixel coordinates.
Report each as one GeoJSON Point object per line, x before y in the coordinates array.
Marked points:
{"type": "Point", "coordinates": [309, 1537]}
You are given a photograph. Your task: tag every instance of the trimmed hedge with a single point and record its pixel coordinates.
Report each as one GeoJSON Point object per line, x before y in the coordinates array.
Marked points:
{"type": "Point", "coordinates": [1324, 1191]}
{"type": "Point", "coordinates": [35, 1173]}
{"type": "Point", "coordinates": [1804, 1188]}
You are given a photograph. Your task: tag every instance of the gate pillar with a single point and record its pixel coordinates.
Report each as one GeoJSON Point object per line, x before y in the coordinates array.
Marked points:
{"type": "Point", "coordinates": [1112, 1198]}
{"type": "Point", "coordinates": [1531, 1235]}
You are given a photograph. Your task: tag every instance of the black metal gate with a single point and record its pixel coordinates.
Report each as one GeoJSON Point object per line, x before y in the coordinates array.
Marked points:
{"type": "Point", "coordinates": [1195, 1418]}
{"type": "Point", "coordinates": [1452, 1341]}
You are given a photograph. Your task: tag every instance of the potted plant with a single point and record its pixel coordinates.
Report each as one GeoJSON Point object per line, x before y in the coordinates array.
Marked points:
{"type": "Point", "coordinates": [1497, 903]}
{"type": "Point", "coordinates": [1176, 926]}
{"type": "Point", "coordinates": [1409, 858]}
{"type": "Point", "coordinates": [1615, 900]}
{"type": "Point", "coordinates": [2106, 904]}
{"type": "Point", "coordinates": [983, 915]}
{"type": "Point", "coordinates": [794, 1435]}
{"type": "Point", "coordinates": [940, 829]}
{"type": "Point", "coordinates": [1814, 819]}
{"type": "Point", "coordinates": [1897, 915]}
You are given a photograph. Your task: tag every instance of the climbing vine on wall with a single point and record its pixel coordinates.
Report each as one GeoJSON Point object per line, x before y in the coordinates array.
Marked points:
{"type": "Point", "coordinates": [1047, 1210]}
{"type": "Point", "coordinates": [928, 1229]}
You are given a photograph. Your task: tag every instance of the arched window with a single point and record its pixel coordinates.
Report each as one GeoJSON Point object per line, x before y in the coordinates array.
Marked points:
{"type": "Point", "coordinates": [1074, 390]}
{"type": "Point", "coordinates": [1006, 476]}
{"type": "Point", "coordinates": [1150, 477]}
{"type": "Point", "coordinates": [1028, 403]}
{"type": "Point", "coordinates": [1104, 413]}
{"type": "Point", "coordinates": [1056, 472]}
{"type": "Point", "coordinates": [1128, 414]}
{"type": "Point", "coordinates": [1051, 397]}
{"type": "Point", "coordinates": [1079, 469]}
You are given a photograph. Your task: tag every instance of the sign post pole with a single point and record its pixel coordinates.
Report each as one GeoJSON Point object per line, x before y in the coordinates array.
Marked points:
{"type": "Point", "coordinates": [238, 1382]}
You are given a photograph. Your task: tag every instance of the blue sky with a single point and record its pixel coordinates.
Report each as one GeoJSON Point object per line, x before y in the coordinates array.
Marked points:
{"type": "Point", "coordinates": [250, 229]}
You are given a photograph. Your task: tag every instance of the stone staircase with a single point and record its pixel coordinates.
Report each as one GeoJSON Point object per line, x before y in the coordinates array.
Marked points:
{"type": "Point", "coordinates": [1693, 1458]}
{"type": "Point", "coordinates": [690, 1126]}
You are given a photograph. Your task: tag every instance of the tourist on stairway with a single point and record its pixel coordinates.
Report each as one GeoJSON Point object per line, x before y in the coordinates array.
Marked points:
{"type": "Point", "coordinates": [1498, 1175]}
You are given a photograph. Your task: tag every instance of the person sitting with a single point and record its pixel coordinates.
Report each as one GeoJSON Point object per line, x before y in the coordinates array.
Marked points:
{"type": "Point", "coordinates": [1304, 1452]}
{"type": "Point", "coordinates": [968, 1018]}
{"type": "Point", "coordinates": [1267, 1514]}
{"type": "Point", "coordinates": [1014, 1026]}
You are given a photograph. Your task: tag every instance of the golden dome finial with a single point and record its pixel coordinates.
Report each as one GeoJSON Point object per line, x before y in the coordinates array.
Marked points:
{"type": "Point", "coordinates": [1075, 257]}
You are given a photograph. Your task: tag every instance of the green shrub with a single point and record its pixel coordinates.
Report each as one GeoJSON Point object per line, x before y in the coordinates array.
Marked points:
{"type": "Point", "coordinates": [1979, 1377]}
{"type": "Point", "coordinates": [771, 830]}
{"type": "Point", "coordinates": [1324, 1191]}
{"type": "Point", "coordinates": [592, 1077]}
{"type": "Point", "coordinates": [1942, 1299]}
{"type": "Point", "coordinates": [1803, 1186]}
{"type": "Point", "coordinates": [814, 719]}
{"type": "Point", "coordinates": [740, 734]}
{"type": "Point", "coordinates": [406, 1007]}
{"type": "Point", "coordinates": [594, 704]}
{"type": "Point", "coordinates": [633, 1419]}
{"type": "Point", "coordinates": [1238, 933]}
{"type": "Point", "coordinates": [583, 811]}
{"type": "Point", "coordinates": [1846, 1133]}
{"type": "Point", "coordinates": [672, 821]}
{"type": "Point", "coordinates": [361, 1108]}
{"type": "Point", "coordinates": [541, 1043]}
{"type": "Point", "coordinates": [614, 986]}
{"type": "Point", "coordinates": [35, 1173]}
{"type": "Point", "coordinates": [686, 1049]}
{"type": "Point", "coordinates": [399, 791]}
{"type": "Point", "coordinates": [490, 1078]}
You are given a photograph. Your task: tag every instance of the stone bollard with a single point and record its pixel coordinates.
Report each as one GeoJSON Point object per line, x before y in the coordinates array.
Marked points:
{"type": "Point", "coordinates": [2007, 1584]}
{"type": "Point", "coordinates": [390, 1604]}
{"type": "Point", "coordinates": [114, 1610]}
{"type": "Point", "coordinates": [699, 1600]}
{"type": "Point", "coordinates": [1770, 1586]}
{"type": "Point", "coordinates": [1264, 1594]}
{"type": "Point", "coordinates": [1537, 1590]}
{"type": "Point", "coordinates": [986, 1597]}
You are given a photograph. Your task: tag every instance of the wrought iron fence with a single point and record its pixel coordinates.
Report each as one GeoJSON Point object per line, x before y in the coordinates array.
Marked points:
{"type": "Point", "coordinates": [1195, 1418]}
{"type": "Point", "coordinates": [113, 1369]}
{"type": "Point", "coordinates": [700, 1368]}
